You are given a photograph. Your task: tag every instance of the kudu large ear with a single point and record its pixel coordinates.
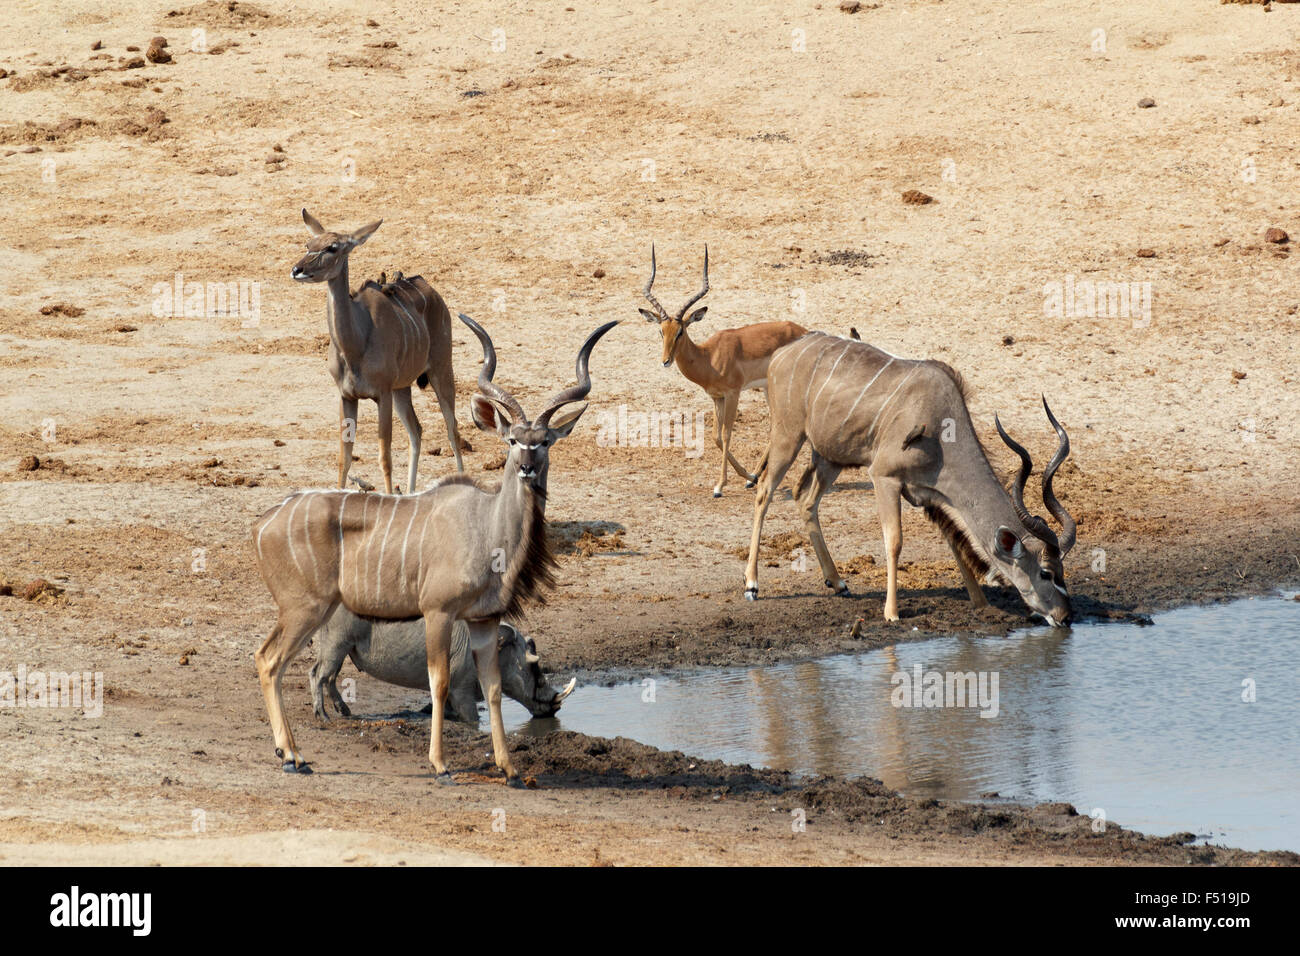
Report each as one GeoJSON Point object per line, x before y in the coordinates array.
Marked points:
{"type": "Point", "coordinates": [313, 227]}
{"type": "Point", "coordinates": [1007, 544]}
{"type": "Point", "coordinates": [696, 315]}
{"type": "Point", "coordinates": [365, 232]}
{"type": "Point", "coordinates": [564, 426]}
{"type": "Point", "coordinates": [489, 416]}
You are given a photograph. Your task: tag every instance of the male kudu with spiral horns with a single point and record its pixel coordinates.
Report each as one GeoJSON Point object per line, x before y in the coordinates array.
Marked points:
{"type": "Point", "coordinates": [907, 423]}
{"type": "Point", "coordinates": [455, 552]}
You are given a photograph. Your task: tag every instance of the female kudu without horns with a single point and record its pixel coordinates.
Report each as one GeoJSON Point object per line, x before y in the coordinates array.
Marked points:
{"type": "Point", "coordinates": [453, 552]}
{"type": "Point", "coordinates": [382, 341]}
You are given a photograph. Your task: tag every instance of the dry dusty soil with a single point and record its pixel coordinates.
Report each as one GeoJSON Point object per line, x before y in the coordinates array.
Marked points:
{"type": "Point", "coordinates": [523, 157]}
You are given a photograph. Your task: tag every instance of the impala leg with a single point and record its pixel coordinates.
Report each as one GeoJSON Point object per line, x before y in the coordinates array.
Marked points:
{"type": "Point", "coordinates": [386, 439]}
{"type": "Point", "coordinates": [347, 436]}
{"type": "Point", "coordinates": [406, 415]}
{"type": "Point", "coordinates": [483, 644]}
{"type": "Point", "coordinates": [816, 481]}
{"type": "Point", "coordinates": [437, 645]}
{"type": "Point", "coordinates": [444, 388]}
{"type": "Point", "coordinates": [286, 639]}
{"type": "Point", "coordinates": [889, 501]}
{"type": "Point", "coordinates": [973, 588]}
{"type": "Point", "coordinates": [719, 413]}
{"type": "Point", "coordinates": [781, 454]}
{"type": "Point", "coordinates": [730, 408]}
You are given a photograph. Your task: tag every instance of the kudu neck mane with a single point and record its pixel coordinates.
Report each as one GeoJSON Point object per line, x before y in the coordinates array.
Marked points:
{"type": "Point", "coordinates": [956, 515]}
{"type": "Point", "coordinates": [531, 569]}
{"type": "Point", "coordinates": [531, 565]}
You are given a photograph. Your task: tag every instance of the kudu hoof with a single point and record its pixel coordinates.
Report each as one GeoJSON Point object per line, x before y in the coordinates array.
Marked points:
{"type": "Point", "coordinates": [515, 783]}
{"type": "Point", "coordinates": [291, 767]}
{"type": "Point", "coordinates": [751, 594]}
{"type": "Point", "coordinates": [444, 779]}
{"type": "Point", "coordinates": [841, 589]}
{"type": "Point", "coordinates": [716, 493]}
{"type": "Point", "coordinates": [753, 480]}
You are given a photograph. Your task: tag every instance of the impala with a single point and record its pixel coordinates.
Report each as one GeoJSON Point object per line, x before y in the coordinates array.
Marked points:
{"type": "Point", "coordinates": [455, 552]}
{"type": "Point", "coordinates": [907, 423]}
{"type": "Point", "coordinates": [382, 341]}
{"type": "Point", "coordinates": [724, 365]}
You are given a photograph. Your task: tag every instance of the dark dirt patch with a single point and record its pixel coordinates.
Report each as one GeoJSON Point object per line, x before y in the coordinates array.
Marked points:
{"type": "Point", "coordinates": [222, 13]}
{"type": "Point", "coordinates": [565, 760]}
{"type": "Point", "coordinates": [854, 258]}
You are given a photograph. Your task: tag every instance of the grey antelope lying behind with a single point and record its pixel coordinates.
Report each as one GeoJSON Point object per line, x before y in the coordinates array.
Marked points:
{"type": "Point", "coordinates": [906, 422]}
{"type": "Point", "coordinates": [453, 553]}
{"type": "Point", "coordinates": [724, 365]}
{"type": "Point", "coordinates": [382, 341]}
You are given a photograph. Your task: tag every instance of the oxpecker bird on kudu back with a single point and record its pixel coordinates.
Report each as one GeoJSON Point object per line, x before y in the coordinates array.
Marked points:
{"type": "Point", "coordinates": [906, 422]}
{"type": "Point", "coordinates": [455, 552]}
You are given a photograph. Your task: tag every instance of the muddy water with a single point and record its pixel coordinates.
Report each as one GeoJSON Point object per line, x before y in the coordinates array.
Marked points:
{"type": "Point", "coordinates": [1146, 725]}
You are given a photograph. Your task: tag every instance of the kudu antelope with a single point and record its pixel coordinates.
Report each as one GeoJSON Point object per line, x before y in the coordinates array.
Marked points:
{"type": "Point", "coordinates": [382, 341]}
{"type": "Point", "coordinates": [907, 423]}
{"type": "Point", "coordinates": [724, 365]}
{"type": "Point", "coordinates": [454, 552]}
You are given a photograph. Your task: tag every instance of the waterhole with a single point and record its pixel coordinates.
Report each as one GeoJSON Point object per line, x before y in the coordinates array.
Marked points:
{"type": "Point", "coordinates": [1189, 724]}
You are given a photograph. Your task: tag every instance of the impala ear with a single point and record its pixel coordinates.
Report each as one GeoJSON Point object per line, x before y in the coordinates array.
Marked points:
{"type": "Point", "coordinates": [650, 316]}
{"type": "Point", "coordinates": [1007, 544]}
{"type": "Point", "coordinates": [564, 426]}
{"type": "Point", "coordinates": [489, 416]}
{"type": "Point", "coordinates": [365, 232]}
{"type": "Point", "coordinates": [314, 227]}
{"type": "Point", "coordinates": [697, 315]}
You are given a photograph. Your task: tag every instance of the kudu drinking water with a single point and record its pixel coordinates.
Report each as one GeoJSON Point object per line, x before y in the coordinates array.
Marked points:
{"type": "Point", "coordinates": [455, 552]}
{"type": "Point", "coordinates": [907, 423]}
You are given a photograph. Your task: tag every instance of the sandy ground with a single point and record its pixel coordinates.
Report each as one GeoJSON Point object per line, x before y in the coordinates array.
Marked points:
{"type": "Point", "coordinates": [783, 136]}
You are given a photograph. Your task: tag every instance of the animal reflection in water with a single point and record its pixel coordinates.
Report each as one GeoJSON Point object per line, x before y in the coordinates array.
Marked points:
{"type": "Point", "coordinates": [811, 714]}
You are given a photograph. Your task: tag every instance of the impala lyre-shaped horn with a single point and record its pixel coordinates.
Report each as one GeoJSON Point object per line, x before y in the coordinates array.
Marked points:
{"type": "Point", "coordinates": [649, 285]}
{"type": "Point", "coordinates": [703, 291]}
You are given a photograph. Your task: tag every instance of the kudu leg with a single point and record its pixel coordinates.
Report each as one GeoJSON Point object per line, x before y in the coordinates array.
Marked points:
{"type": "Point", "coordinates": [347, 437]}
{"type": "Point", "coordinates": [406, 415]}
{"type": "Point", "coordinates": [889, 501]}
{"type": "Point", "coordinates": [286, 639]}
{"type": "Point", "coordinates": [483, 645]}
{"type": "Point", "coordinates": [437, 646]}
{"type": "Point", "coordinates": [816, 481]}
{"type": "Point", "coordinates": [386, 440]}
{"type": "Point", "coordinates": [444, 389]}
{"type": "Point", "coordinates": [780, 455]}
